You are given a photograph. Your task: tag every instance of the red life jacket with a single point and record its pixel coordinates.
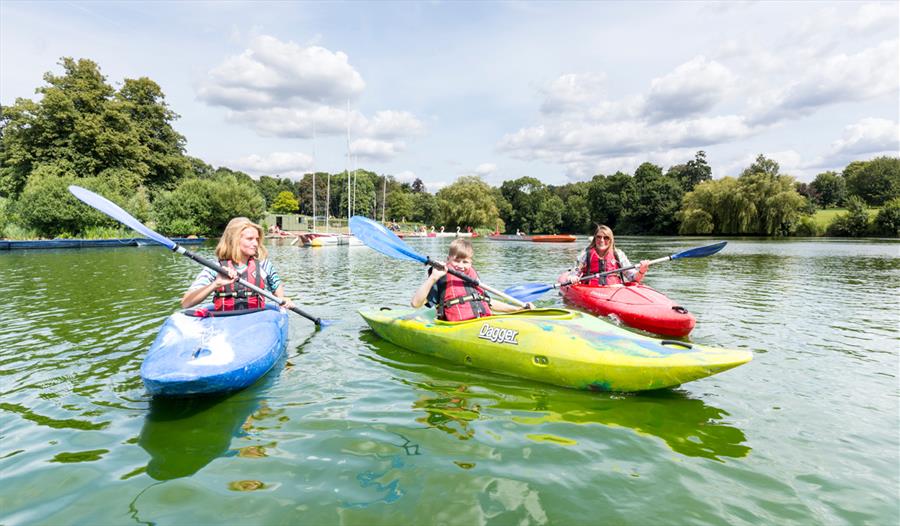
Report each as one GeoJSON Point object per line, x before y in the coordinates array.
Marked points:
{"type": "Point", "coordinates": [235, 296]}
{"type": "Point", "coordinates": [461, 301]}
{"type": "Point", "coordinates": [596, 264]}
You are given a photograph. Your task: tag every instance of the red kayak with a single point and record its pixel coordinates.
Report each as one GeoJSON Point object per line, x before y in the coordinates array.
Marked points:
{"type": "Point", "coordinates": [633, 304]}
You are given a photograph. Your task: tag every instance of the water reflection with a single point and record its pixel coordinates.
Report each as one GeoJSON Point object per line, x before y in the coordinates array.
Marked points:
{"type": "Point", "coordinates": [687, 425]}
{"type": "Point", "coordinates": [184, 435]}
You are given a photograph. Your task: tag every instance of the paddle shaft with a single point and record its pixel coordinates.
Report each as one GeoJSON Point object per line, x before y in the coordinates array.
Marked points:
{"type": "Point", "coordinates": [472, 281]}
{"type": "Point", "coordinates": [222, 270]}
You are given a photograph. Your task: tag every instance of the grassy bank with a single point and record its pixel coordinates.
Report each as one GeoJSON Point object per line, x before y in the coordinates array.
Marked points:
{"type": "Point", "coordinates": [823, 218]}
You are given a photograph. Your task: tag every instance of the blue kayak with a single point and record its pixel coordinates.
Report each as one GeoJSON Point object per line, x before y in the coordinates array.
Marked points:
{"type": "Point", "coordinates": [201, 352]}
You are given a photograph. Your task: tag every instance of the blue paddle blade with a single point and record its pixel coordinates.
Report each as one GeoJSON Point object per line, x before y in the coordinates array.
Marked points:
{"type": "Point", "coordinates": [528, 292]}
{"type": "Point", "coordinates": [114, 211]}
{"type": "Point", "coordinates": [699, 252]}
{"type": "Point", "coordinates": [379, 238]}
{"type": "Point", "coordinates": [325, 323]}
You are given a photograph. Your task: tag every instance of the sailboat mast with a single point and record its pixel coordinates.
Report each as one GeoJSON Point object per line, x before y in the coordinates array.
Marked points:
{"type": "Point", "coordinates": [383, 196]}
{"type": "Point", "coordinates": [349, 201]}
{"type": "Point", "coordinates": [314, 178]}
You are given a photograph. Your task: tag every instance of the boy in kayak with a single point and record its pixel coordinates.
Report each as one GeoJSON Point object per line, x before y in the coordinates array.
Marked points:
{"type": "Point", "coordinates": [602, 256]}
{"type": "Point", "coordinates": [241, 251]}
{"type": "Point", "coordinates": [455, 299]}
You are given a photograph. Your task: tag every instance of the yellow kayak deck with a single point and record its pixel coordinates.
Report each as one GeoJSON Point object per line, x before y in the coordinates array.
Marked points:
{"type": "Point", "coordinates": [555, 346]}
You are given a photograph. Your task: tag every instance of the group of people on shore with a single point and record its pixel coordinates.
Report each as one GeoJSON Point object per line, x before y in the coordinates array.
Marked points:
{"type": "Point", "coordinates": [242, 252]}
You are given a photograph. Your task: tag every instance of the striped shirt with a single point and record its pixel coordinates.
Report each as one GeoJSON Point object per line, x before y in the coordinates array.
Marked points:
{"type": "Point", "coordinates": [269, 275]}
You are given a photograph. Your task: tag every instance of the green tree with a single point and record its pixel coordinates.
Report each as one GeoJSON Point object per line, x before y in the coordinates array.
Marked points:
{"type": "Point", "coordinates": [467, 202]}
{"type": "Point", "coordinates": [854, 223]}
{"type": "Point", "coordinates": [876, 181]}
{"type": "Point", "coordinates": [887, 222]}
{"type": "Point", "coordinates": [425, 208]}
{"type": "Point", "coordinates": [777, 206]}
{"type": "Point", "coordinates": [83, 126]}
{"type": "Point", "coordinates": [576, 213]}
{"type": "Point", "coordinates": [162, 148]}
{"type": "Point", "coordinates": [271, 187]}
{"type": "Point", "coordinates": [204, 206]}
{"type": "Point", "coordinates": [285, 203]}
{"type": "Point", "coordinates": [400, 205]}
{"type": "Point", "coordinates": [692, 173]}
{"type": "Point", "coordinates": [762, 165]}
{"type": "Point", "coordinates": [607, 196]}
{"type": "Point", "coordinates": [830, 189]}
{"type": "Point", "coordinates": [524, 196]}
{"type": "Point", "coordinates": [47, 206]}
{"type": "Point", "coordinates": [652, 206]}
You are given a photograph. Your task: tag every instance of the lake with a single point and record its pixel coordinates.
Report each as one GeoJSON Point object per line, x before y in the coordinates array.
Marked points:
{"type": "Point", "coordinates": [349, 429]}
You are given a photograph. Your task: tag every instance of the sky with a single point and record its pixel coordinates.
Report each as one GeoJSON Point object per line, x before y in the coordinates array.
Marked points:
{"type": "Point", "coordinates": [560, 91]}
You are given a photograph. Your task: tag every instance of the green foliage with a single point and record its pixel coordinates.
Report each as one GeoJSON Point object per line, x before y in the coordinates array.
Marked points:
{"type": "Point", "coordinates": [467, 202]}
{"type": "Point", "coordinates": [425, 208]}
{"type": "Point", "coordinates": [576, 212]}
{"type": "Point", "coordinates": [692, 173]}
{"type": "Point", "coordinates": [652, 206]}
{"type": "Point", "coordinates": [854, 223]}
{"type": "Point", "coordinates": [876, 181]}
{"type": "Point", "coordinates": [521, 198]}
{"type": "Point", "coordinates": [762, 165]}
{"type": "Point", "coordinates": [204, 206]}
{"type": "Point", "coordinates": [5, 218]}
{"type": "Point", "coordinates": [46, 205]}
{"type": "Point", "coordinates": [400, 205]}
{"type": "Point", "coordinates": [285, 203]}
{"type": "Point", "coordinates": [830, 189]}
{"type": "Point", "coordinates": [887, 222]}
{"type": "Point", "coordinates": [524, 196]}
{"type": "Point", "coordinates": [808, 227]}
{"type": "Point", "coordinates": [607, 196]}
{"type": "Point", "coordinates": [84, 127]}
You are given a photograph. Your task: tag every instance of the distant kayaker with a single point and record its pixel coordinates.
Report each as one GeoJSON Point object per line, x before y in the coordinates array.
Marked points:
{"type": "Point", "coordinates": [602, 256]}
{"type": "Point", "coordinates": [455, 299]}
{"type": "Point", "coordinates": [242, 252]}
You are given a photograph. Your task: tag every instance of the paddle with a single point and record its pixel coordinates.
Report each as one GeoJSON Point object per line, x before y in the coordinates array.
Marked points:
{"type": "Point", "coordinates": [532, 291]}
{"type": "Point", "coordinates": [379, 238]}
{"type": "Point", "coordinates": [112, 210]}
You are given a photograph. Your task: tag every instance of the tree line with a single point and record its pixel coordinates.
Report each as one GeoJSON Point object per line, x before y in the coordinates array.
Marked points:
{"type": "Point", "coordinates": [121, 143]}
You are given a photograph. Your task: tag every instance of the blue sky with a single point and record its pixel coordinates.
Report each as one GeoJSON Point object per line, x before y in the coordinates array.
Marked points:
{"type": "Point", "coordinates": [559, 91]}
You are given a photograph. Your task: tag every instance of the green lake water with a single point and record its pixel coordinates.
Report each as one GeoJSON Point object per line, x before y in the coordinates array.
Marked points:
{"type": "Point", "coordinates": [349, 429]}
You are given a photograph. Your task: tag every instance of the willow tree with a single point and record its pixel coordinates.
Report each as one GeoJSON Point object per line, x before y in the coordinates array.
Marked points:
{"type": "Point", "coordinates": [761, 202]}
{"type": "Point", "coordinates": [467, 202]}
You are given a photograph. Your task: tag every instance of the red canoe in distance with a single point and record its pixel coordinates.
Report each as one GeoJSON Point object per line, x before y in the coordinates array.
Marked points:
{"type": "Point", "coordinates": [550, 238]}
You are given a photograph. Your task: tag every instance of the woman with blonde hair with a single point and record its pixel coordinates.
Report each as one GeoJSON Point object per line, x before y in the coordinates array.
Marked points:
{"type": "Point", "coordinates": [601, 255]}
{"type": "Point", "coordinates": [241, 251]}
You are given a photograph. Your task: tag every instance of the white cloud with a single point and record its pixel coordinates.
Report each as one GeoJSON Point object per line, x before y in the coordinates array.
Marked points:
{"type": "Point", "coordinates": [405, 176]}
{"type": "Point", "coordinates": [837, 79]}
{"type": "Point", "coordinates": [691, 89]}
{"type": "Point", "coordinates": [485, 169]}
{"type": "Point", "coordinates": [573, 91]}
{"type": "Point", "coordinates": [390, 124]}
{"type": "Point", "coordinates": [869, 136]}
{"type": "Point", "coordinates": [276, 73]}
{"type": "Point", "coordinates": [281, 89]}
{"type": "Point", "coordinates": [286, 164]}
{"type": "Point", "coordinates": [375, 150]}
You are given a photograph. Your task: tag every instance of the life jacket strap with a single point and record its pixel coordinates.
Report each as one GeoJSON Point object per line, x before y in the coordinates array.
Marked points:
{"type": "Point", "coordinates": [467, 297]}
